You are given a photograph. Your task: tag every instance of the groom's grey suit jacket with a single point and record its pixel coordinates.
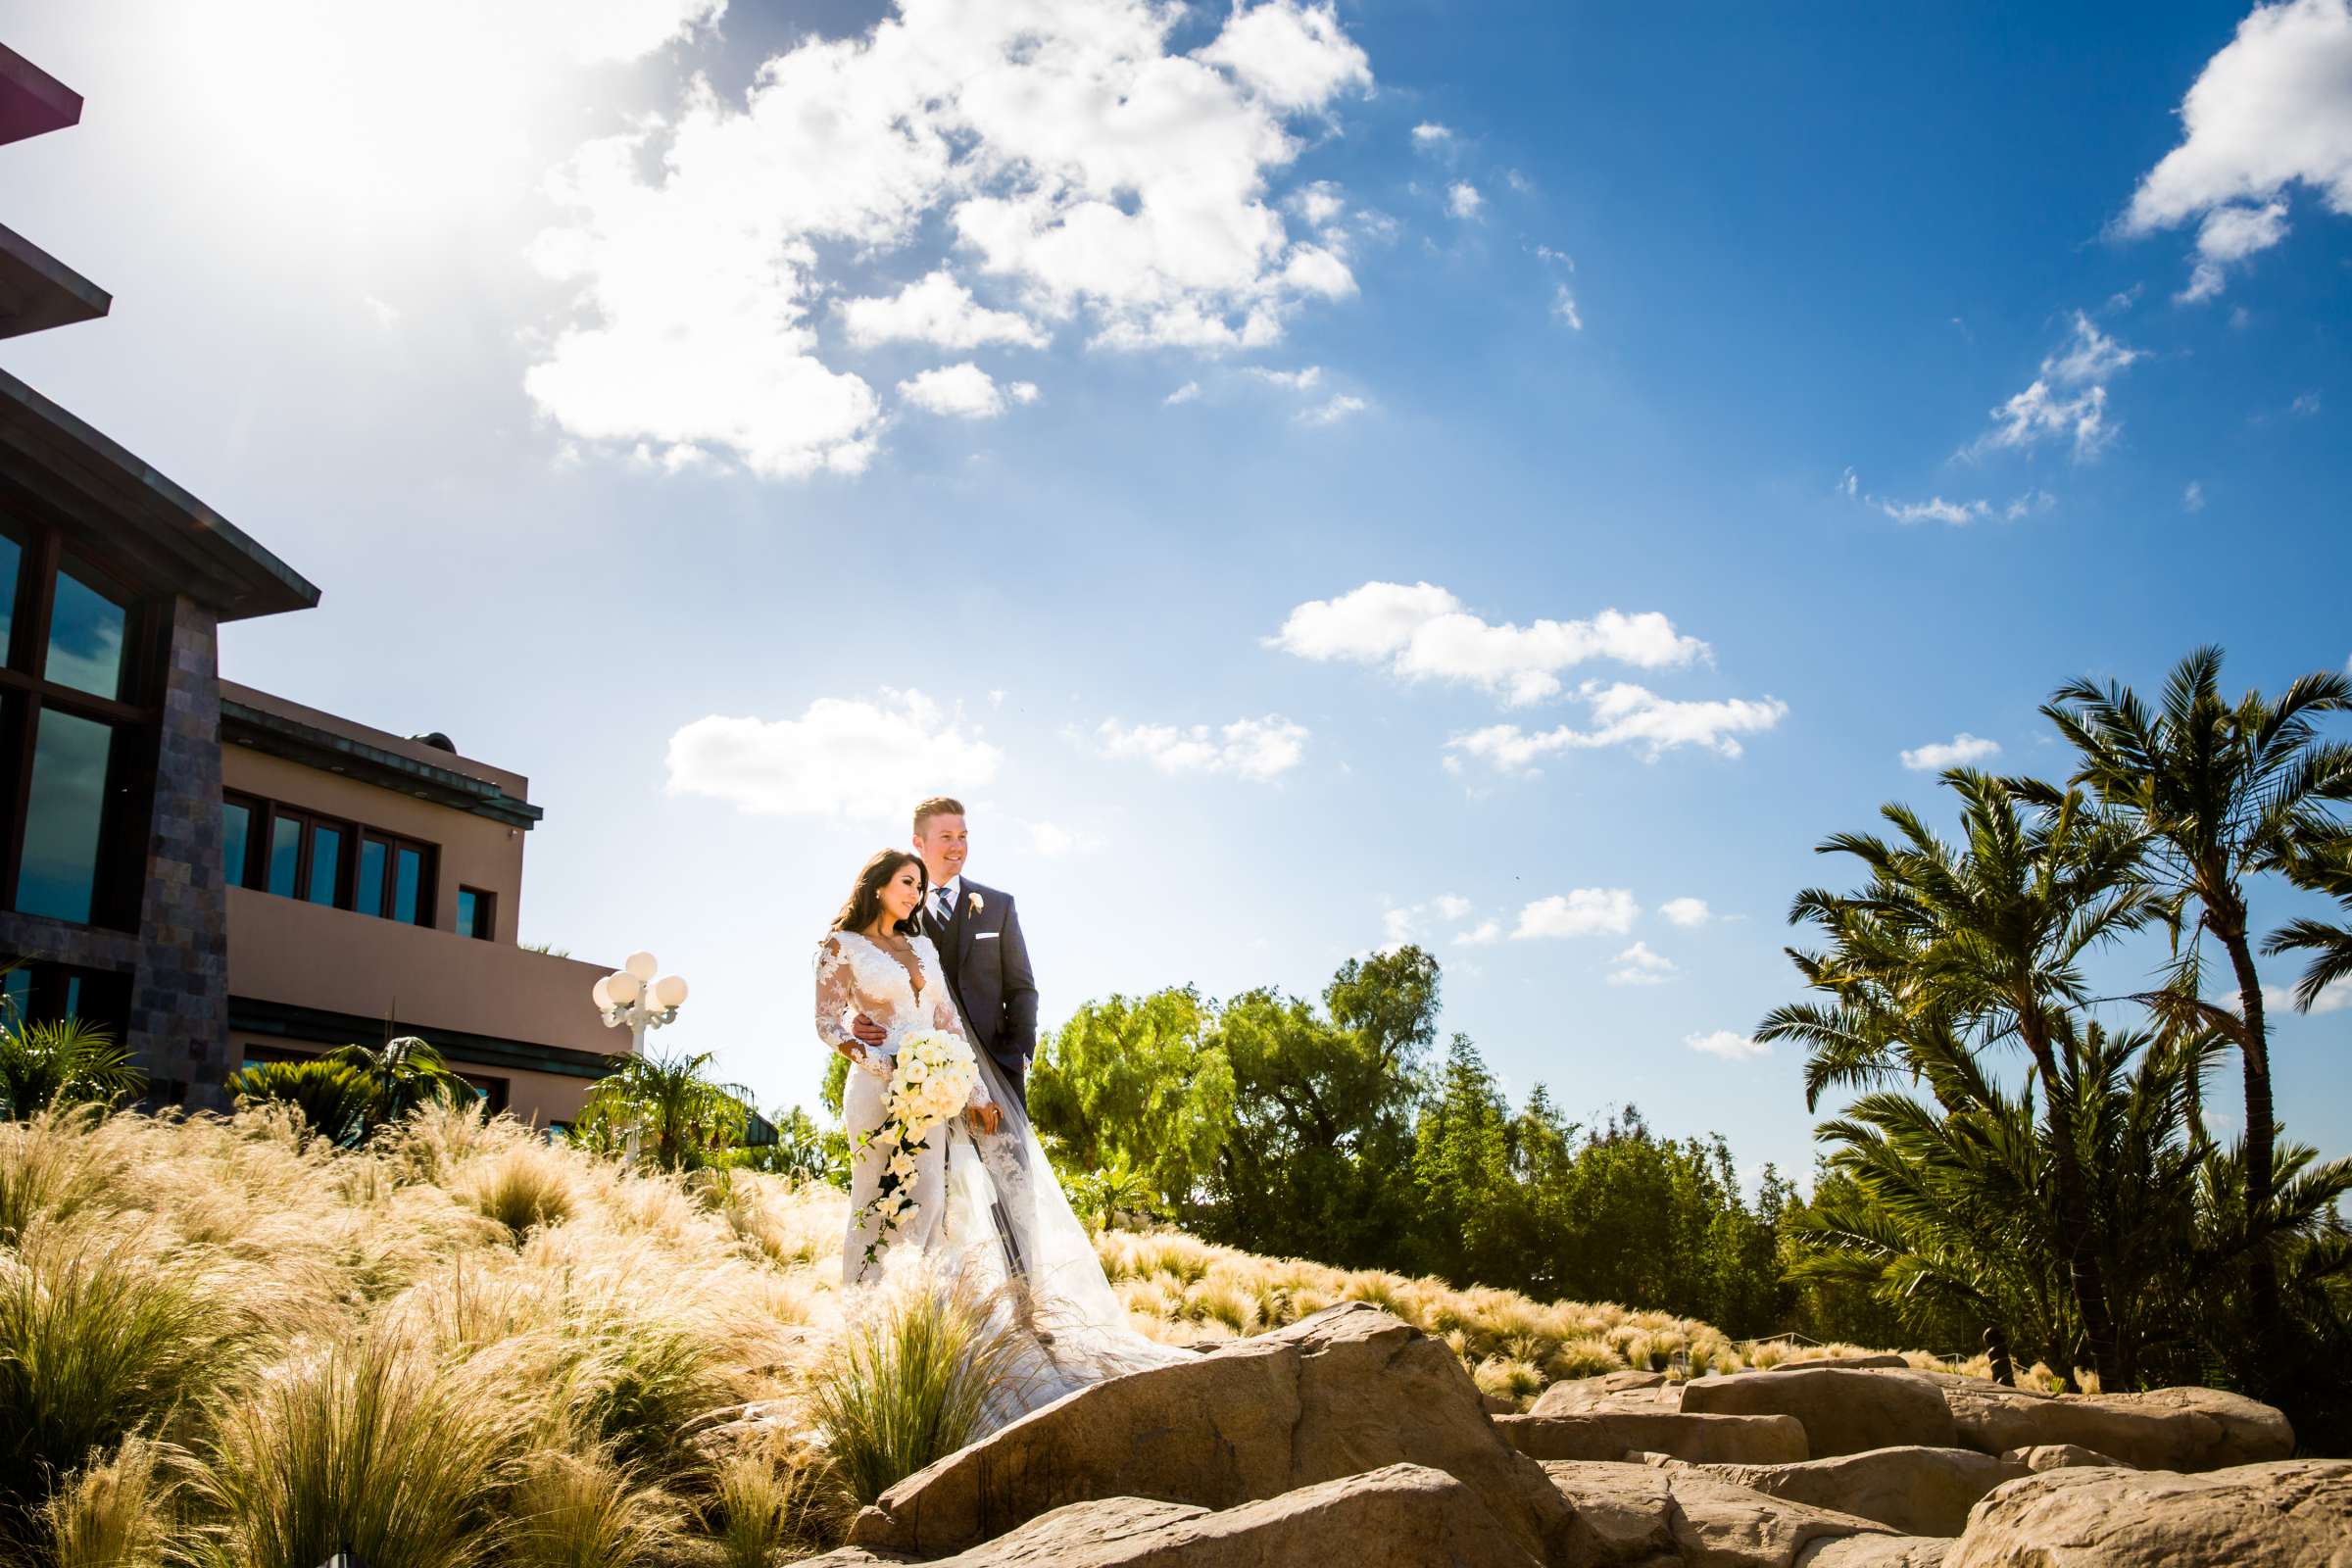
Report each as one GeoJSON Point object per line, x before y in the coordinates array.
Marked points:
{"type": "Point", "coordinates": [988, 972]}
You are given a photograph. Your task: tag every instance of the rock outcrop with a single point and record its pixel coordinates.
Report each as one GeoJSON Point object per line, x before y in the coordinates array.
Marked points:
{"type": "Point", "coordinates": [1920, 1491]}
{"type": "Point", "coordinates": [1843, 1409]}
{"type": "Point", "coordinates": [1346, 1392]}
{"type": "Point", "coordinates": [2167, 1429]}
{"type": "Point", "coordinates": [1634, 1516]}
{"type": "Point", "coordinates": [2058, 1457]}
{"type": "Point", "coordinates": [1615, 1432]}
{"type": "Point", "coordinates": [1608, 1390]}
{"type": "Point", "coordinates": [2289, 1514]}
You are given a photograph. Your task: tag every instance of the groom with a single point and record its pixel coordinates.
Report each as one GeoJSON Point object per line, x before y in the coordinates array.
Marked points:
{"type": "Point", "coordinates": [979, 938]}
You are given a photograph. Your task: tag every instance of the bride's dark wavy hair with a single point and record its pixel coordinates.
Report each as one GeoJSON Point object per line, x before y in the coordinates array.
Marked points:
{"type": "Point", "coordinates": [866, 898]}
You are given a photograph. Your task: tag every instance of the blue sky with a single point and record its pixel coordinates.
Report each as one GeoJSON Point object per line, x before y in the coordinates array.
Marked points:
{"type": "Point", "coordinates": [1504, 476]}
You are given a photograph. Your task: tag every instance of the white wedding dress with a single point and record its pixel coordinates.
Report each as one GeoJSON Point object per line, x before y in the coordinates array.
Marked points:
{"type": "Point", "coordinates": [990, 1211]}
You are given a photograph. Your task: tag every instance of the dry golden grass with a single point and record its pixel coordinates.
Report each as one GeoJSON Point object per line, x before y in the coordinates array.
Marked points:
{"type": "Point", "coordinates": [464, 1346]}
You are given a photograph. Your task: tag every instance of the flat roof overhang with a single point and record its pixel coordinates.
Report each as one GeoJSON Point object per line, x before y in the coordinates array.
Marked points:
{"type": "Point", "coordinates": [33, 102]}
{"type": "Point", "coordinates": [38, 291]}
{"type": "Point", "coordinates": [135, 519]}
{"type": "Point", "coordinates": [243, 724]}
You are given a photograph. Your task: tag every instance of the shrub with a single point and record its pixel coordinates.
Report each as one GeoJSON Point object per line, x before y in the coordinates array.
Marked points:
{"type": "Point", "coordinates": [526, 1185]}
{"type": "Point", "coordinates": [115, 1514]}
{"type": "Point", "coordinates": [367, 1447]}
{"type": "Point", "coordinates": [768, 1498]}
{"type": "Point", "coordinates": [909, 1381]}
{"type": "Point", "coordinates": [98, 1342]}
{"type": "Point", "coordinates": [581, 1510]}
{"type": "Point", "coordinates": [333, 1099]}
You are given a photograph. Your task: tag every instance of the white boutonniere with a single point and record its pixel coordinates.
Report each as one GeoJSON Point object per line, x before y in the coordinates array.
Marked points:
{"type": "Point", "coordinates": [978, 904]}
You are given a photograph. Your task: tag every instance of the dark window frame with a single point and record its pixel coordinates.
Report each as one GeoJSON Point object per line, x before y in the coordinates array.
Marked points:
{"type": "Point", "coordinates": [266, 813]}
{"type": "Point", "coordinates": [485, 912]}
{"type": "Point", "coordinates": [134, 714]}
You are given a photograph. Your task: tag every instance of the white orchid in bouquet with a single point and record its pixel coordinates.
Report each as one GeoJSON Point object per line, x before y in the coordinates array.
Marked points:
{"type": "Point", "coordinates": [931, 1080]}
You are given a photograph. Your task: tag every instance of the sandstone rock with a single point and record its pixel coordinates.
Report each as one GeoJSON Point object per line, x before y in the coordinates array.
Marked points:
{"type": "Point", "coordinates": [2058, 1457]}
{"type": "Point", "coordinates": [1851, 1363]}
{"type": "Point", "coordinates": [1609, 1434]}
{"type": "Point", "coordinates": [1920, 1491]}
{"type": "Point", "coordinates": [1496, 1404]}
{"type": "Point", "coordinates": [2168, 1429]}
{"type": "Point", "coordinates": [1348, 1391]}
{"type": "Point", "coordinates": [2291, 1514]}
{"type": "Point", "coordinates": [1637, 1517]}
{"type": "Point", "coordinates": [1843, 1410]}
{"type": "Point", "coordinates": [1583, 1394]}
{"type": "Point", "coordinates": [1876, 1552]}
{"type": "Point", "coordinates": [1403, 1516]}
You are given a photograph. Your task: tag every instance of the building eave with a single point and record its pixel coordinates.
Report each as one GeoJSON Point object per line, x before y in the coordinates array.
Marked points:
{"type": "Point", "coordinates": [38, 291]}
{"type": "Point", "coordinates": [242, 724]}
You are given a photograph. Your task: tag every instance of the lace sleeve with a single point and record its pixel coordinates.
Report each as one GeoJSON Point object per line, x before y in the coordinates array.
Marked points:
{"type": "Point", "coordinates": [836, 995]}
{"type": "Point", "coordinates": [943, 1010]}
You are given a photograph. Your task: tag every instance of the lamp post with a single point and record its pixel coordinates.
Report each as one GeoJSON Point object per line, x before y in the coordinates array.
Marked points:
{"type": "Point", "coordinates": [631, 995]}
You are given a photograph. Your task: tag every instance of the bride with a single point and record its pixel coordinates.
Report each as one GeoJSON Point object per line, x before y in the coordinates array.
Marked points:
{"type": "Point", "coordinates": [987, 1207]}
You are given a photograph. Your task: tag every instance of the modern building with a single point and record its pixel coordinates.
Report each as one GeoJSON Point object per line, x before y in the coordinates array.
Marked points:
{"type": "Point", "coordinates": [214, 873]}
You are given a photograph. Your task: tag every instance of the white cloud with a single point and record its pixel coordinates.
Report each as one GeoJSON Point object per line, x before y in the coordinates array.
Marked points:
{"type": "Point", "coordinates": [1563, 307]}
{"type": "Point", "coordinates": [1066, 151]}
{"type": "Point", "coordinates": [1298, 380]}
{"type": "Point", "coordinates": [2306, 404]}
{"type": "Point", "coordinates": [1052, 841]}
{"type": "Point", "coordinates": [2068, 399]}
{"type": "Point", "coordinates": [1624, 714]}
{"type": "Point", "coordinates": [1430, 132]}
{"type": "Point", "coordinates": [1958, 752]}
{"type": "Point", "coordinates": [2333, 997]}
{"type": "Point", "coordinates": [1960, 513]}
{"type": "Point", "coordinates": [1637, 966]}
{"type": "Point", "coordinates": [1729, 1046]}
{"type": "Point", "coordinates": [1685, 911]}
{"type": "Point", "coordinates": [1849, 484]}
{"type": "Point", "coordinates": [1318, 202]}
{"type": "Point", "coordinates": [2192, 499]}
{"type": "Point", "coordinates": [1332, 411]}
{"type": "Point", "coordinates": [1450, 906]}
{"type": "Point", "coordinates": [963, 392]}
{"type": "Point", "coordinates": [1293, 56]}
{"type": "Point", "coordinates": [386, 315]}
{"type": "Point", "coordinates": [841, 757]}
{"type": "Point", "coordinates": [1579, 912]}
{"type": "Point", "coordinates": [1422, 632]}
{"type": "Point", "coordinates": [1183, 394]}
{"type": "Point", "coordinates": [939, 310]}
{"type": "Point", "coordinates": [1411, 922]}
{"type": "Point", "coordinates": [1463, 198]}
{"type": "Point", "coordinates": [1485, 934]}
{"type": "Point", "coordinates": [2270, 109]}
{"type": "Point", "coordinates": [1258, 749]}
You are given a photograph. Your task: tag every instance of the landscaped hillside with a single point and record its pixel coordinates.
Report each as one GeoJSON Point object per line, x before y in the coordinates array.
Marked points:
{"type": "Point", "coordinates": [459, 1343]}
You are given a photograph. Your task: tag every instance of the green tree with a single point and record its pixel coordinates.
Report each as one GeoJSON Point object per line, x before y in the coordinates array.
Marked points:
{"type": "Point", "coordinates": [1973, 946]}
{"type": "Point", "coordinates": [2224, 792]}
{"type": "Point", "coordinates": [1472, 1220]}
{"type": "Point", "coordinates": [666, 1110]}
{"type": "Point", "coordinates": [401, 1074]}
{"type": "Point", "coordinates": [1137, 1087]}
{"type": "Point", "coordinates": [335, 1100]}
{"type": "Point", "coordinates": [2322, 866]}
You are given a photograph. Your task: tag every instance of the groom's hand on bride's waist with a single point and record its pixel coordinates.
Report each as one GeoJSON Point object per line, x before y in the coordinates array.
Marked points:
{"type": "Point", "coordinates": [868, 1031]}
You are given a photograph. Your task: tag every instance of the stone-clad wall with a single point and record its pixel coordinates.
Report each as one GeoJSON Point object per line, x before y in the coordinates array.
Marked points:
{"type": "Point", "coordinates": [179, 997]}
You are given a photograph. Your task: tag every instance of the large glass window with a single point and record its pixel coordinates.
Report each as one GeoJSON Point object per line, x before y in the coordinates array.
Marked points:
{"type": "Point", "coordinates": [285, 854]}
{"type": "Point", "coordinates": [477, 913]}
{"type": "Point", "coordinates": [86, 639]}
{"type": "Point", "coordinates": [64, 816]}
{"type": "Point", "coordinates": [370, 897]}
{"type": "Point", "coordinates": [12, 562]}
{"type": "Point", "coordinates": [236, 840]}
{"type": "Point", "coordinates": [408, 884]}
{"type": "Point", "coordinates": [327, 863]}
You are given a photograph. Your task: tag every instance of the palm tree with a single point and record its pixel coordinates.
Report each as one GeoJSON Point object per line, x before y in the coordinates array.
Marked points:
{"type": "Point", "coordinates": [2223, 794]}
{"type": "Point", "coordinates": [665, 1108]}
{"type": "Point", "coordinates": [1970, 946]}
{"type": "Point", "coordinates": [401, 1075]}
{"type": "Point", "coordinates": [65, 1061]}
{"type": "Point", "coordinates": [2325, 867]}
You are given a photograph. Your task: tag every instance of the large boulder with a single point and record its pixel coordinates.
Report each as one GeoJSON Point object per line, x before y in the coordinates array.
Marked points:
{"type": "Point", "coordinates": [1844, 1410]}
{"type": "Point", "coordinates": [1877, 1551]}
{"type": "Point", "coordinates": [1920, 1491]}
{"type": "Point", "coordinates": [2059, 1456]}
{"type": "Point", "coordinates": [1634, 1516]}
{"type": "Point", "coordinates": [2291, 1514]}
{"type": "Point", "coordinates": [1877, 1360]}
{"type": "Point", "coordinates": [2167, 1429]}
{"type": "Point", "coordinates": [1608, 1390]}
{"type": "Point", "coordinates": [1402, 1516]}
{"type": "Point", "coordinates": [1348, 1391]}
{"type": "Point", "coordinates": [1612, 1433]}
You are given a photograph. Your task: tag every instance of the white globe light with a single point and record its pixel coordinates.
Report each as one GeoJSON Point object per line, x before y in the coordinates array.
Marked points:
{"type": "Point", "coordinates": [644, 966]}
{"type": "Point", "coordinates": [670, 991]}
{"type": "Point", "coordinates": [622, 988]}
{"type": "Point", "coordinates": [602, 992]}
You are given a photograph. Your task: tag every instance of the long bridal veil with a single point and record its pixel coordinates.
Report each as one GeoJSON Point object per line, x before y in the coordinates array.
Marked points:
{"type": "Point", "coordinates": [1010, 1230]}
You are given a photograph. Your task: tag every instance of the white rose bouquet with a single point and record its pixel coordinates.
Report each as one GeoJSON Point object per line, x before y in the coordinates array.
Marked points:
{"type": "Point", "coordinates": [931, 1081]}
